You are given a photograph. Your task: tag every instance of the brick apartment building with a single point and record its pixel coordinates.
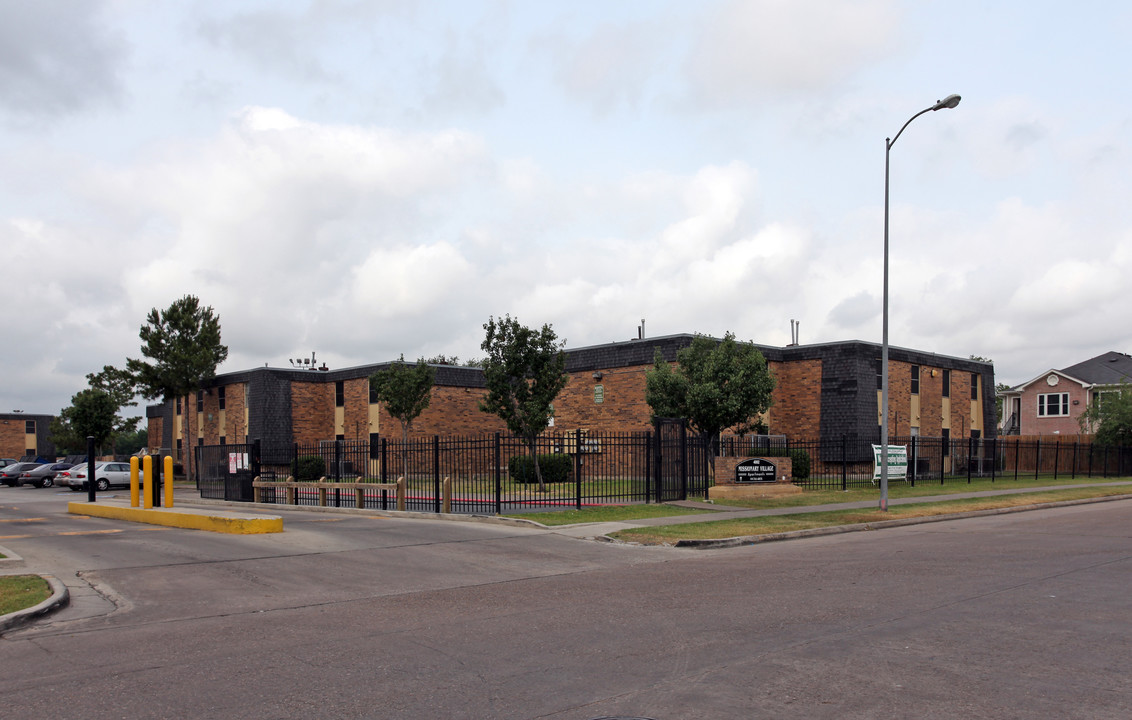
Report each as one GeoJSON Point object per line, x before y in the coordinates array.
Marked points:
{"type": "Point", "coordinates": [825, 390]}
{"type": "Point", "coordinates": [26, 435]}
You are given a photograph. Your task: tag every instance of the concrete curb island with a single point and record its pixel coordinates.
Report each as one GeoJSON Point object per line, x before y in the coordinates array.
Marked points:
{"type": "Point", "coordinates": [60, 596]}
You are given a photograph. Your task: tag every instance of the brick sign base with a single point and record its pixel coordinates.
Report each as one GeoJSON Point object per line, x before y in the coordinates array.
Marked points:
{"type": "Point", "coordinates": [726, 487]}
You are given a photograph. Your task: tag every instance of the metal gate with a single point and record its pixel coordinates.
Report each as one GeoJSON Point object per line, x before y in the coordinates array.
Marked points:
{"type": "Point", "coordinates": [226, 472]}
{"type": "Point", "coordinates": [670, 467]}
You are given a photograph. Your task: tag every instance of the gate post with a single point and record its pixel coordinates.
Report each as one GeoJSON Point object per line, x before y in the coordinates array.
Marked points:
{"type": "Point", "coordinates": [648, 468]}
{"type": "Point", "coordinates": [683, 462]}
{"type": "Point", "coordinates": [337, 474]}
{"type": "Point", "coordinates": [498, 479]}
{"type": "Point", "coordinates": [577, 468]}
{"type": "Point", "coordinates": [436, 473]}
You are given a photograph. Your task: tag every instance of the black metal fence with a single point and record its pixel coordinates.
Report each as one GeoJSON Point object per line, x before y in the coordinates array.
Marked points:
{"type": "Point", "coordinates": [582, 469]}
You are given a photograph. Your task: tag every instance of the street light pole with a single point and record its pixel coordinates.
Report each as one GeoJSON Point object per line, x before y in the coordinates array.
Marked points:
{"type": "Point", "coordinates": [948, 102]}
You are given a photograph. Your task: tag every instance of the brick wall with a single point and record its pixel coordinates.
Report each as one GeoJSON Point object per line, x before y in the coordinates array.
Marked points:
{"type": "Point", "coordinates": [13, 441]}
{"type": "Point", "coordinates": [796, 401]}
{"type": "Point", "coordinates": [312, 411]}
{"type": "Point", "coordinates": [451, 411]}
{"type": "Point", "coordinates": [622, 409]}
{"type": "Point", "coordinates": [155, 432]}
{"type": "Point", "coordinates": [235, 417]}
{"type": "Point", "coordinates": [355, 409]}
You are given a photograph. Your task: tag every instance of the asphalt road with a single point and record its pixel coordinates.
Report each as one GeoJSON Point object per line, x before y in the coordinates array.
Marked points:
{"type": "Point", "coordinates": [1015, 616]}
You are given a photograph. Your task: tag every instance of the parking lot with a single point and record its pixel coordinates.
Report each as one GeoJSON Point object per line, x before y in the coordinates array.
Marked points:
{"type": "Point", "coordinates": [1021, 615]}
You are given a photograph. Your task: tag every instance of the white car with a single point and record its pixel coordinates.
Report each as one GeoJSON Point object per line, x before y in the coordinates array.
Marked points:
{"type": "Point", "coordinates": [106, 474]}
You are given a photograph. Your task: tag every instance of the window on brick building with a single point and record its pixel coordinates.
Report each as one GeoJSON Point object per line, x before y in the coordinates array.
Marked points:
{"type": "Point", "coordinates": [372, 395]}
{"type": "Point", "coordinates": [200, 441]}
{"type": "Point", "coordinates": [178, 411]}
{"type": "Point", "coordinates": [974, 386]}
{"type": "Point", "coordinates": [947, 383]}
{"type": "Point", "coordinates": [915, 379]}
{"type": "Point", "coordinates": [220, 398]}
{"type": "Point", "coordinates": [880, 375]}
{"type": "Point", "coordinates": [1053, 404]}
{"type": "Point", "coordinates": [339, 393]}
{"type": "Point", "coordinates": [200, 401]}
{"type": "Point", "coordinates": [29, 427]}
{"type": "Point", "coordinates": [223, 440]}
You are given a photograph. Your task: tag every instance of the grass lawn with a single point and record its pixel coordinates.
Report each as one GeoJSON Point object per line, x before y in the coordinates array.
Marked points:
{"type": "Point", "coordinates": [900, 489]}
{"type": "Point", "coordinates": [22, 591]}
{"type": "Point", "coordinates": [608, 513]}
{"type": "Point", "coordinates": [805, 521]}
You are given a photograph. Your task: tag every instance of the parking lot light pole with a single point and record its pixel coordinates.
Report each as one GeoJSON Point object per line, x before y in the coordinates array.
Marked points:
{"type": "Point", "coordinates": [948, 102]}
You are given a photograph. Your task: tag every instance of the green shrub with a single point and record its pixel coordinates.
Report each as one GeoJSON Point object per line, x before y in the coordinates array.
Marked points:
{"type": "Point", "coordinates": [308, 468]}
{"type": "Point", "coordinates": [799, 459]}
{"type": "Point", "coordinates": [555, 468]}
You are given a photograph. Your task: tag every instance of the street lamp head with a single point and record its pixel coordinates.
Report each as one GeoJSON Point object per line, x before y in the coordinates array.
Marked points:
{"type": "Point", "coordinates": [948, 102]}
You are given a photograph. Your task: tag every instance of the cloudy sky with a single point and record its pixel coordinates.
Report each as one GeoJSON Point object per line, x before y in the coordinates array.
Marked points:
{"type": "Point", "coordinates": [365, 178]}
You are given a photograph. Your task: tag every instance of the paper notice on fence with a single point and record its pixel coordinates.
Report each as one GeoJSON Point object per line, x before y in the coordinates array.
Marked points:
{"type": "Point", "coordinates": [897, 462]}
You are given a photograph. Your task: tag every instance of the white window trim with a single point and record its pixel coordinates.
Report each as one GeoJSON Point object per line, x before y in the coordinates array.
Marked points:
{"type": "Point", "coordinates": [1044, 405]}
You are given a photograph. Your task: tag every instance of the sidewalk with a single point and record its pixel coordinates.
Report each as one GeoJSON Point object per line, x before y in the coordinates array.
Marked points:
{"type": "Point", "coordinates": [594, 530]}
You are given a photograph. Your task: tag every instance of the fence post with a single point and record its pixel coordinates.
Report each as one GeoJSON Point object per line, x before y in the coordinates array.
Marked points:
{"type": "Point", "coordinates": [648, 467]}
{"type": "Point", "coordinates": [994, 457]}
{"type": "Point", "coordinates": [577, 468]}
{"type": "Point", "coordinates": [436, 473]}
{"type": "Point", "coordinates": [683, 462]}
{"type": "Point", "coordinates": [915, 462]}
{"type": "Point", "coordinates": [844, 461]}
{"type": "Point", "coordinates": [1056, 456]}
{"type": "Point", "coordinates": [337, 475]}
{"type": "Point", "coordinates": [1073, 465]}
{"type": "Point", "coordinates": [498, 479]}
{"type": "Point", "coordinates": [1017, 456]}
{"type": "Point", "coordinates": [944, 446]}
{"type": "Point", "coordinates": [1038, 458]}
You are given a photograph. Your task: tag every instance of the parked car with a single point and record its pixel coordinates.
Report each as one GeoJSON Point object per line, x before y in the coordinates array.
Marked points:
{"type": "Point", "coordinates": [5, 462]}
{"type": "Point", "coordinates": [10, 474]}
{"type": "Point", "coordinates": [106, 476]}
{"type": "Point", "coordinates": [44, 475]}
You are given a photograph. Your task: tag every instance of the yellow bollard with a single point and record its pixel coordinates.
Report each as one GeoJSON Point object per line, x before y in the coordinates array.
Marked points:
{"type": "Point", "coordinates": [168, 481]}
{"type": "Point", "coordinates": [133, 482]}
{"type": "Point", "coordinates": [401, 493]}
{"type": "Point", "coordinates": [147, 478]}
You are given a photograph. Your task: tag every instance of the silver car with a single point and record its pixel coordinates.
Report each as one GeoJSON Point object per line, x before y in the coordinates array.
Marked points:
{"type": "Point", "coordinates": [106, 476]}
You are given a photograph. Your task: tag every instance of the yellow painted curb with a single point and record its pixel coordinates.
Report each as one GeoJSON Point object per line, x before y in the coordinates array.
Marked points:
{"type": "Point", "coordinates": [176, 517]}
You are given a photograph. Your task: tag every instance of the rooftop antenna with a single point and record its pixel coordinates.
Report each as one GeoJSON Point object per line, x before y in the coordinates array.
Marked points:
{"type": "Point", "coordinates": [641, 330]}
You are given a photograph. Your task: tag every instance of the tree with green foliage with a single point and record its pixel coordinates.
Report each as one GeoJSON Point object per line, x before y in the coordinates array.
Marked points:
{"type": "Point", "coordinates": [93, 413]}
{"type": "Point", "coordinates": [717, 384]}
{"type": "Point", "coordinates": [524, 370]}
{"type": "Point", "coordinates": [182, 346]}
{"type": "Point", "coordinates": [1109, 416]}
{"type": "Point", "coordinates": [129, 443]}
{"type": "Point", "coordinates": [405, 392]}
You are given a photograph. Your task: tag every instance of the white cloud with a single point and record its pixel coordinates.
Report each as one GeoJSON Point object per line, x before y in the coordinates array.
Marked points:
{"type": "Point", "coordinates": [56, 60]}
{"type": "Point", "coordinates": [749, 50]}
